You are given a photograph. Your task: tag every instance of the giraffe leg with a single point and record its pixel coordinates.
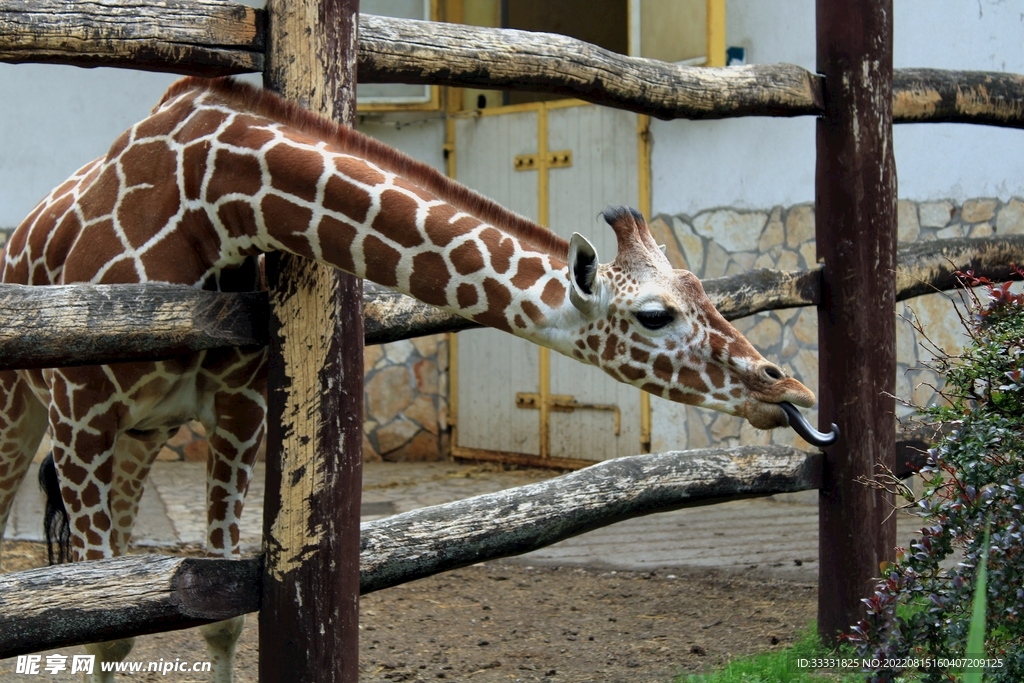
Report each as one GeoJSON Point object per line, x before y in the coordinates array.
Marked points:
{"type": "Point", "coordinates": [234, 441]}
{"type": "Point", "coordinates": [83, 500]}
{"type": "Point", "coordinates": [22, 425]}
{"type": "Point", "coordinates": [221, 638]}
{"type": "Point", "coordinates": [110, 651]}
{"type": "Point", "coordinates": [101, 470]}
{"type": "Point", "coordinates": [133, 458]}
{"type": "Point", "coordinates": [135, 453]}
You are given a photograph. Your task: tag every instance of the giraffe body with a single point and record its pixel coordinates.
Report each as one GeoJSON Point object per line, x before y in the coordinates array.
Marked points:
{"type": "Point", "coordinates": [221, 173]}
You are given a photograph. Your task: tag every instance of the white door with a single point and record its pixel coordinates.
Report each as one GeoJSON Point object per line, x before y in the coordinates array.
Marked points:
{"type": "Point", "coordinates": [500, 383]}
{"type": "Point", "coordinates": [604, 172]}
{"type": "Point", "coordinates": [492, 366]}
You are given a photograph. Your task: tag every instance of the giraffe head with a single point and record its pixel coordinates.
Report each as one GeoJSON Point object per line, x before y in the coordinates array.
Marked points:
{"type": "Point", "coordinates": [652, 326]}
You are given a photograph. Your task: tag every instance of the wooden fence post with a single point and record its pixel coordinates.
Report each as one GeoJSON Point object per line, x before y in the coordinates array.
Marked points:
{"type": "Point", "coordinates": [855, 215]}
{"type": "Point", "coordinates": [310, 616]}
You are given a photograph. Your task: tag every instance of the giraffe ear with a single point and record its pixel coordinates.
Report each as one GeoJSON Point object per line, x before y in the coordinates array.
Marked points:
{"type": "Point", "coordinates": [582, 274]}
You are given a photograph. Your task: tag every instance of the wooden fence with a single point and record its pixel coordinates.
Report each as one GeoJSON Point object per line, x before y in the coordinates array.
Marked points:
{"type": "Point", "coordinates": [853, 293]}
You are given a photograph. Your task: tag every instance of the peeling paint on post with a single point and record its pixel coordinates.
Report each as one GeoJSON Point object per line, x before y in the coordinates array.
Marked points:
{"type": "Point", "coordinates": [855, 207]}
{"type": "Point", "coordinates": [309, 620]}
{"type": "Point", "coordinates": [295, 534]}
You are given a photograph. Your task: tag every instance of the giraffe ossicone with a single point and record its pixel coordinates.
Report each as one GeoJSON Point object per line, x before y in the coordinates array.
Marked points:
{"type": "Point", "coordinates": [222, 172]}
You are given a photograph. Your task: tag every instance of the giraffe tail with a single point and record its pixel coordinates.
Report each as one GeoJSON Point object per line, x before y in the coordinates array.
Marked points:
{"type": "Point", "coordinates": [56, 524]}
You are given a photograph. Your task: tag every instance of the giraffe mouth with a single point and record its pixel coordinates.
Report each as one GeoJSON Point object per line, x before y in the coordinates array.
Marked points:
{"type": "Point", "coordinates": [802, 427]}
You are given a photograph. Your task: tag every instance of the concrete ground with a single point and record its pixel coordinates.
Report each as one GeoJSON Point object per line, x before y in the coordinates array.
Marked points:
{"type": "Point", "coordinates": [777, 535]}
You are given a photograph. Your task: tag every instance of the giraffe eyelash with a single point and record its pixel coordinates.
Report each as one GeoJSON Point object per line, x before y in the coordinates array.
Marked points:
{"type": "Point", "coordinates": [654, 320]}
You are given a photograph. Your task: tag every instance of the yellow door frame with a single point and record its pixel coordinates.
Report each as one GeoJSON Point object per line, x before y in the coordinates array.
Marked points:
{"type": "Point", "coordinates": [643, 138]}
{"type": "Point", "coordinates": [716, 33]}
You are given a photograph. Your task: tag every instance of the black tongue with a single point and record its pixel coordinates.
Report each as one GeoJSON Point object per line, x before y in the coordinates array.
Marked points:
{"type": "Point", "coordinates": [802, 427]}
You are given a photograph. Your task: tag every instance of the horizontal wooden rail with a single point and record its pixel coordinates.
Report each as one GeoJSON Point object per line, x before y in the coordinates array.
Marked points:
{"type": "Point", "coordinates": [208, 38]}
{"type": "Point", "coordinates": [389, 316]}
{"type": "Point", "coordinates": [64, 325]}
{"type": "Point", "coordinates": [52, 607]}
{"type": "Point", "coordinates": [925, 267]}
{"type": "Point", "coordinates": [937, 96]}
{"type": "Point", "coordinates": [41, 609]}
{"type": "Point", "coordinates": [200, 37]}
{"type": "Point", "coordinates": [408, 51]}
{"type": "Point", "coordinates": [434, 539]}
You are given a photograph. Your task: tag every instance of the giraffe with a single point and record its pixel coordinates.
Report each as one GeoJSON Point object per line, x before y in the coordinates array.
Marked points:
{"type": "Point", "coordinates": [222, 172]}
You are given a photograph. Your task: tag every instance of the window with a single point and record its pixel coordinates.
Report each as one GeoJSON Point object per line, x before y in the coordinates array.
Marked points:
{"type": "Point", "coordinates": [670, 30]}
{"type": "Point", "coordinates": [397, 96]}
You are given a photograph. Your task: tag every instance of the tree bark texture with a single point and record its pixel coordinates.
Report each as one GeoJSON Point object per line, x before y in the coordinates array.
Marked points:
{"type": "Point", "coordinates": [926, 267]}
{"type": "Point", "coordinates": [525, 518]}
{"type": "Point", "coordinates": [200, 37]}
{"type": "Point", "coordinates": [82, 602]}
{"type": "Point", "coordinates": [937, 96]}
{"type": "Point", "coordinates": [390, 316]}
{"type": "Point", "coordinates": [207, 38]}
{"type": "Point", "coordinates": [410, 51]}
{"type": "Point", "coordinates": [855, 217]}
{"type": "Point", "coordinates": [314, 435]}
{"type": "Point", "coordinates": [66, 325]}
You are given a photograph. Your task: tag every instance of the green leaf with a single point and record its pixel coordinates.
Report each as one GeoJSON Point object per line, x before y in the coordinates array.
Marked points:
{"type": "Point", "coordinates": [976, 634]}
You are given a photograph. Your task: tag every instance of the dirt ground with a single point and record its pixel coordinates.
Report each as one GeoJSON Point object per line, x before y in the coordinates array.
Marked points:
{"type": "Point", "coordinates": [507, 622]}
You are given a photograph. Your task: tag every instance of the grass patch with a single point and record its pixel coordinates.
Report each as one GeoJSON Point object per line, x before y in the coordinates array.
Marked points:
{"type": "Point", "coordinates": [782, 666]}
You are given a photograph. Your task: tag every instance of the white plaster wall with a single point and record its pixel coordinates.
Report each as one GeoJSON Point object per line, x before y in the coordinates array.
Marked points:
{"type": "Point", "coordinates": [761, 162]}
{"type": "Point", "coordinates": [55, 119]}
{"type": "Point", "coordinates": [420, 135]}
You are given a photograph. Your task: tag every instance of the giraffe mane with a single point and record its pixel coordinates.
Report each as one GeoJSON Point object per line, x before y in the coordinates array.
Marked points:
{"type": "Point", "coordinates": [268, 104]}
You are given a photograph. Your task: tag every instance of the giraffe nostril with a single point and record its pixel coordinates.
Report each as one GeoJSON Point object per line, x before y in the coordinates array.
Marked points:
{"type": "Point", "coordinates": [772, 373]}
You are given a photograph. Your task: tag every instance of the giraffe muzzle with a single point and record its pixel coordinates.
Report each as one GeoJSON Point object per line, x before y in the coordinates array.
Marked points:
{"type": "Point", "coordinates": [802, 427]}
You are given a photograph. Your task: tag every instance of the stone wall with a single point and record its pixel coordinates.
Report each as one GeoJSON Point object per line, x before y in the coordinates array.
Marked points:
{"type": "Point", "coordinates": [720, 242]}
{"type": "Point", "coordinates": [406, 400]}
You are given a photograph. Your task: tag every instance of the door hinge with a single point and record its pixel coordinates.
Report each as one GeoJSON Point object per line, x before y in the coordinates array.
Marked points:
{"type": "Point", "coordinates": [563, 403]}
{"type": "Point", "coordinates": [560, 159]}
{"type": "Point", "coordinates": [526, 162]}
{"type": "Point", "coordinates": [530, 162]}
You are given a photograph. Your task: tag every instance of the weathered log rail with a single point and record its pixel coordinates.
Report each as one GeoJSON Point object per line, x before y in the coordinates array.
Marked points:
{"type": "Point", "coordinates": [87, 324]}
{"type": "Point", "coordinates": [200, 37]}
{"type": "Point", "coordinates": [41, 609]}
{"type": "Point", "coordinates": [90, 324]}
{"type": "Point", "coordinates": [208, 38]}
{"type": "Point", "coordinates": [82, 602]}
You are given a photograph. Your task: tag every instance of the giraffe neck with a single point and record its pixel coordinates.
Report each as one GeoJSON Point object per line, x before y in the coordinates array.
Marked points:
{"type": "Point", "coordinates": [282, 180]}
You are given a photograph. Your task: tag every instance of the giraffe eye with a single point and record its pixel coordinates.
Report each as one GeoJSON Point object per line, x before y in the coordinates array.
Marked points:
{"type": "Point", "coordinates": [654, 320]}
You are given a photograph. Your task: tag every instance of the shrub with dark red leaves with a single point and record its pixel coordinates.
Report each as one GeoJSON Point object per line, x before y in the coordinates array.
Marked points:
{"type": "Point", "coordinates": [974, 477]}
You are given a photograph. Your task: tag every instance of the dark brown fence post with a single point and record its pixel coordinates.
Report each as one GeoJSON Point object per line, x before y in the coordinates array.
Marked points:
{"type": "Point", "coordinates": [855, 207]}
{"type": "Point", "coordinates": [310, 616]}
